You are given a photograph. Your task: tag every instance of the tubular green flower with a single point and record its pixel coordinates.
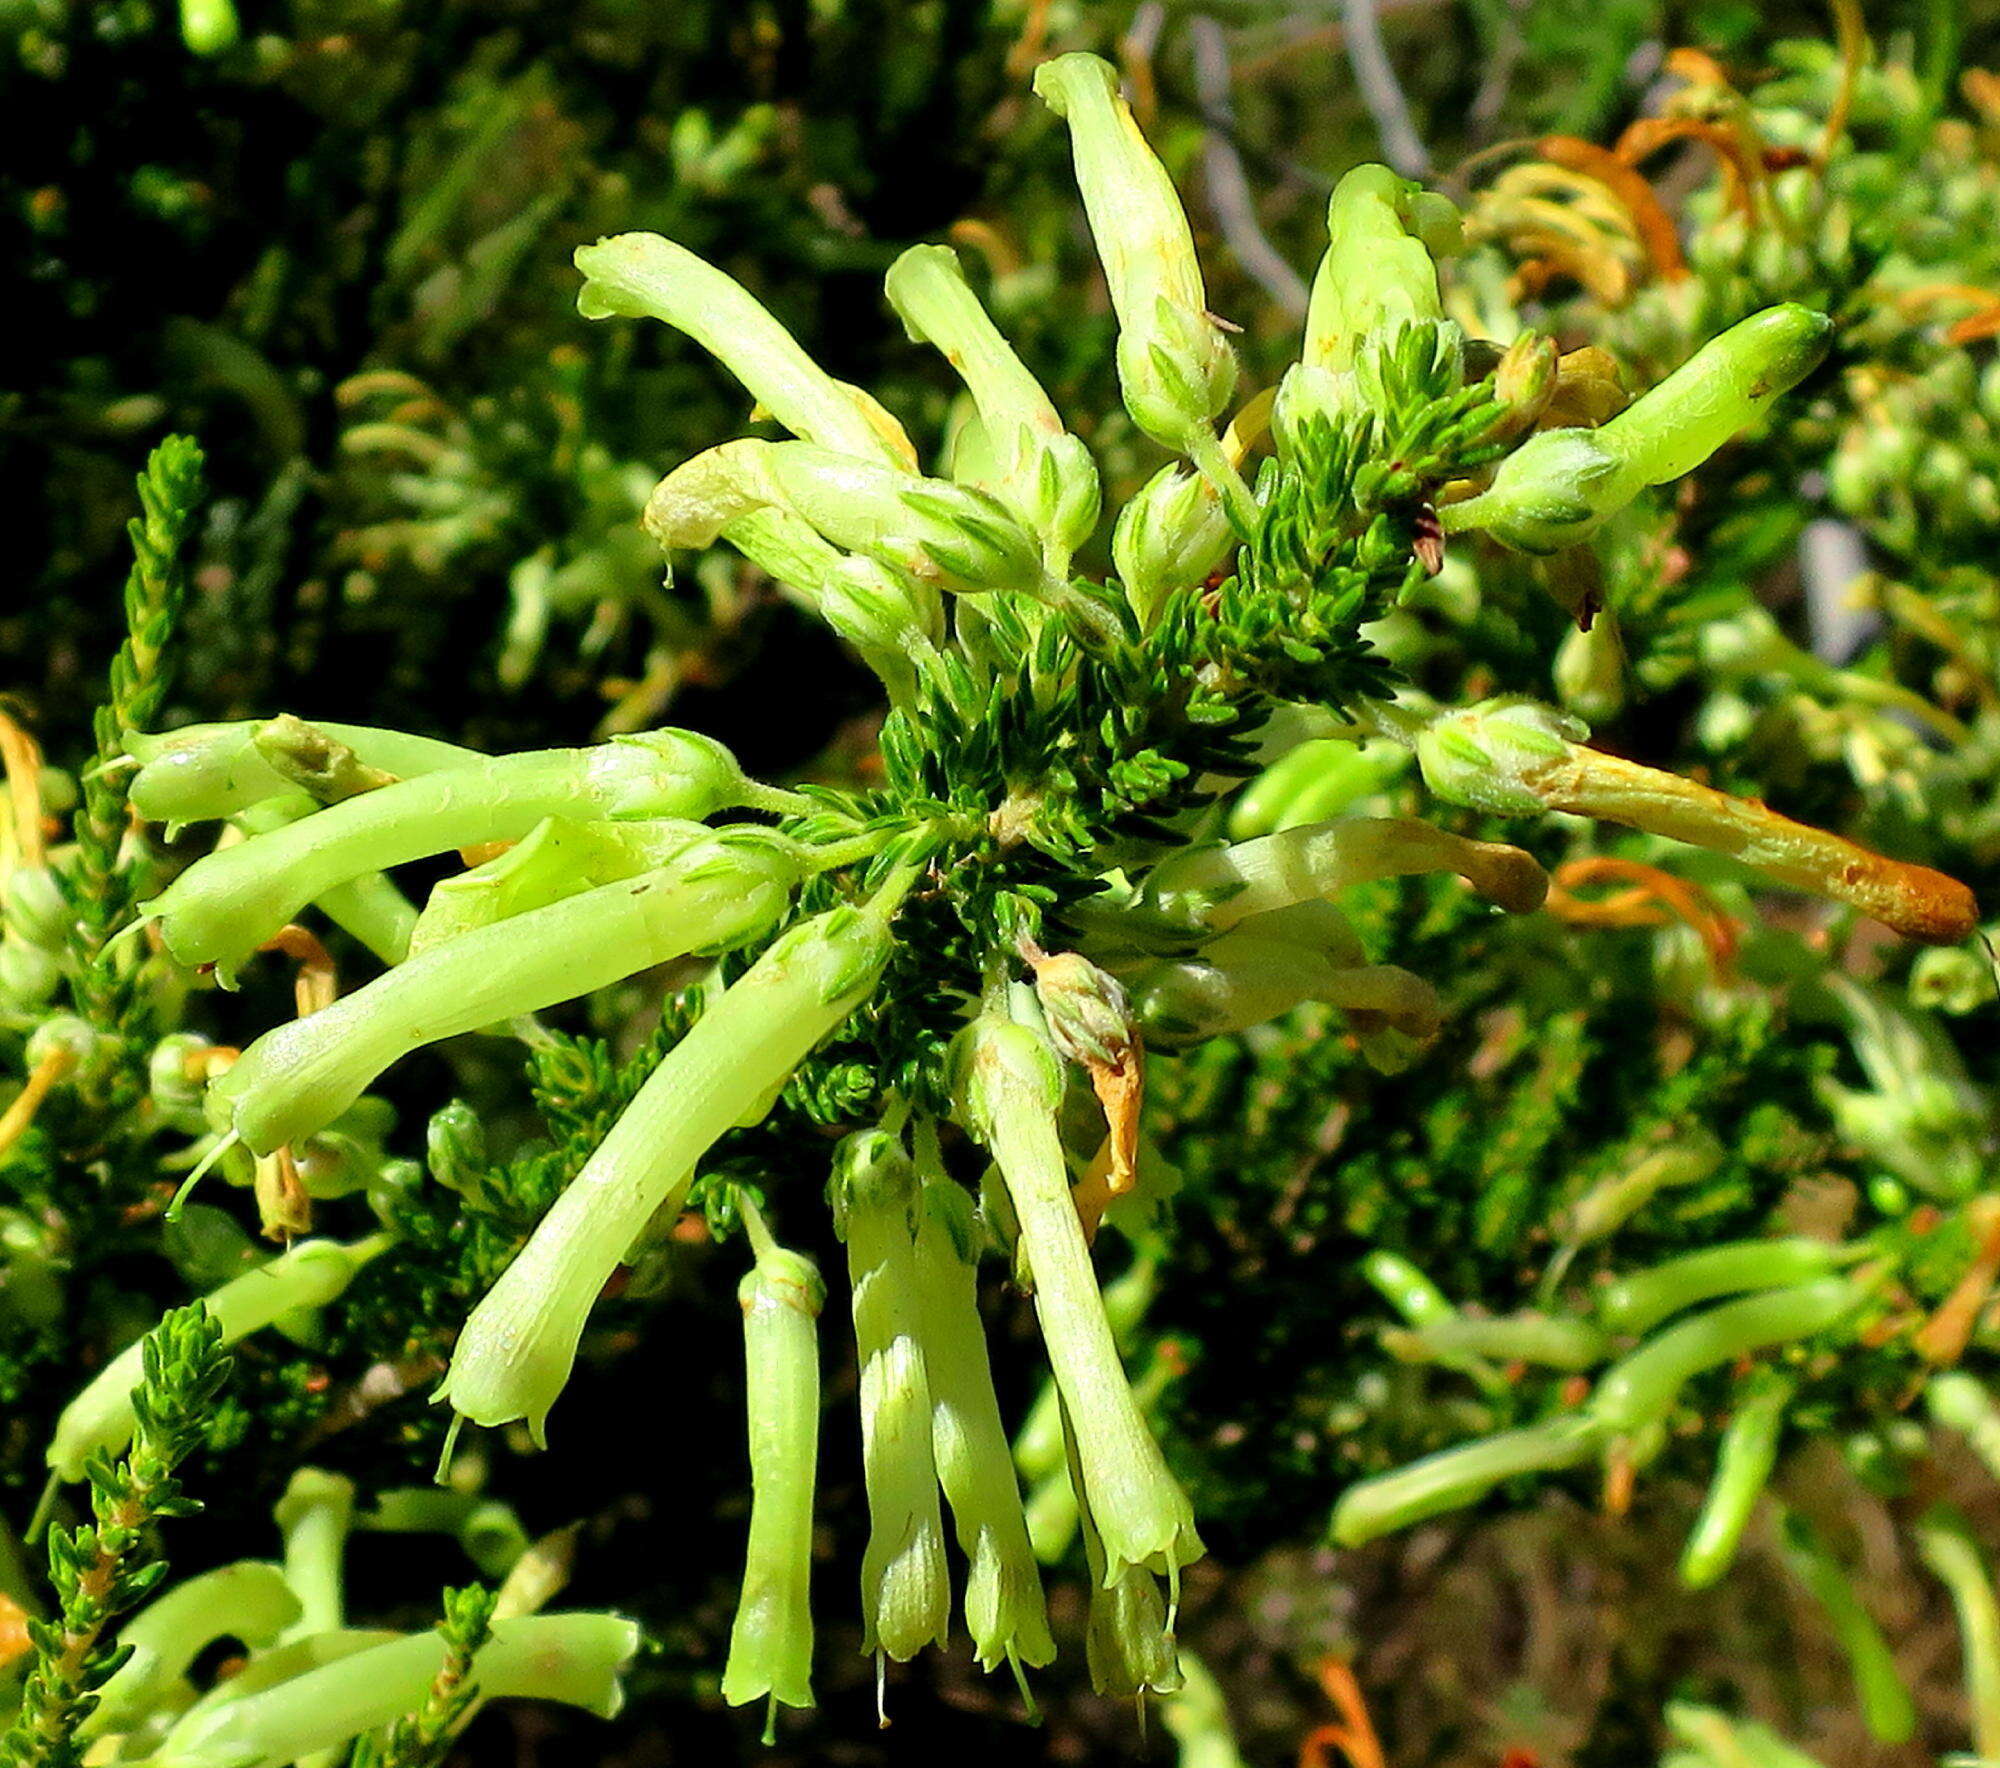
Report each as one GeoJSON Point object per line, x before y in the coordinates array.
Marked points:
{"type": "Point", "coordinates": [515, 1353]}
{"type": "Point", "coordinates": [1175, 368]}
{"type": "Point", "coordinates": [1004, 1611]}
{"type": "Point", "coordinates": [1546, 1340]}
{"type": "Point", "coordinates": [1743, 1464]}
{"type": "Point", "coordinates": [1642, 1387]}
{"type": "Point", "coordinates": [1040, 471]}
{"type": "Point", "coordinates": [928, 529]}
{"type": "Point", "coordinates": [1378, 270]}
{"type": "Point", "coordinates": [557, 859]}
{"type": "Point", "coordinates": [1129, 1643]}
{"type": "Point", "coordinates": [723, 891]}
{"type": "Point", "coordinates": [314, 1516]}
{"type": "Point", "coordinates": [1947, 1545]}
{"type": "Point", "coordinates": [1559, 485]}
{"type": "Point", "coordinates": [1513, 757]}
{"type": "Point", "coordinates": [309, 1276]}
{"type": "Point", "coordinates": [642, 276]}
{"type": "Point", "coordinates": [1638, 1303]}
{"type": "Point", "coordinates": [249, 1601]}
{"type": "Point", "coordinates": [1884, 1699]}
{"type": "Point", "coordinates": [771, 1639]}
{"type": "Point", "coordinates": [576, 1659]}
{"type": "Point", "coordinates": [204, 771]}
{"type": "Point", "coordinates": [1011, 1086]}
{"type": "Point", "coordinates": [1246, 977]}
{"type": "Point", "coordinates": [1222, 886]}
{"type": "Point", "coordinates": [905, 1596]}
{"type": "Point", "coordinates": [228, 904]}
{"type": "Point", "coordinates": [1454, 1478]}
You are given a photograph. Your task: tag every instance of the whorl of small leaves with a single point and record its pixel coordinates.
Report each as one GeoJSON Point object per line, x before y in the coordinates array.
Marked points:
{"type": "Point", "coordinates": [103, 885]}
{"type": "Point", "coordinates": [105, 1568]}
{"type": "Point", "coordinates": [422, 1739]}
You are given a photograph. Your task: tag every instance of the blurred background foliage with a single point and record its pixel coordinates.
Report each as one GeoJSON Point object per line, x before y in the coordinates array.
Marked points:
{"type": "Point", "coordinates": [335, 244]}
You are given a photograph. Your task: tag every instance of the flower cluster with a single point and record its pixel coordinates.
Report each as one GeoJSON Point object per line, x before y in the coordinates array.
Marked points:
{"type": "Point", "coordinates": [961, 967]}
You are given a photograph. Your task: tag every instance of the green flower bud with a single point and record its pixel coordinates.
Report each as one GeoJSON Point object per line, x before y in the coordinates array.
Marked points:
{"type": "Point", "coordinates": [889, 618]}
{"type": "Point", "coordinates": [29, 974]}
{"type": "Point", "coordinates": [1173, 535]}
{"type": "Point", "coordinates": [176, 1081]}
{"type": "Point", "coordinates": [34, 909]}
{"type": "Point", "coordinates": [1042, 473]}
{"type": "Point", "coordinates": [641, 275]}
{"type": "Point", "coordinates": [1554, 489]}
{"type": "Point", "coordinates": [1175, 368]}
{"type": "Point", "coordinates": [455, 1147]}
{"type": "Point", "coordinates": [1590, 669]}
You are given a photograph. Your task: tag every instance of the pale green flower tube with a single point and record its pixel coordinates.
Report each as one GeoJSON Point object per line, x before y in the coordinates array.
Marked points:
{"type": "Point", "coordinates": [574, 1658]}
{"type": "Point", "coordinates": [642, 276]}
{"type": "Point", "coordinates": [557, 859]}
{"type": "Point", "coordinates": [310, 1275]}
{"type": "Point", "coordinates": [905, 1594]}
{"type": "Point", "coordinates": [1378, 271]}
{"type": "Point", "coordinates": [724, 891]}
{"type": "Point", "coordinates": [1011, 1086]}
{"type": "Point", "coordinates": [1040, 471]}
{"type": "Point", "coordinates": [518, 1346]}
{"type": "Point", "coordinates": [203, 771]}
{"type": "Point", "coordinates": [1559, 485]}
{"type": "Point", "coordinates": [1004, 1610]}
{"type": "Point", "coordinates": [1175, 368]}
{"type": "Point", "coordinates": [771, 1640]}
{"type": "Point", "coordinates": [928, 529]}
{"type": "Point", "coordinates": [1454, 1478]}
{"type": "Point", "coordinates": [1222, 886]}
{"type": "Point", "coordinates": [226, 905]}
{"type": "Point", "coordinates": [892, 620]}
{"type": "Point", "coordinates": [250, 1601]}
{"type": "Point", "coordinates": [1128, 1640]}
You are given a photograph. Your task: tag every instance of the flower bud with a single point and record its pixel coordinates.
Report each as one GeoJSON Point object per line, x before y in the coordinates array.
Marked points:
{"type": "Point", "coordinates": [1175, 368]}
{"type": "Point", "coordinates": [1173, 535]}
{"type": "Point", "coordinates": [641, 275]}
{"type": "Point", "coordinates": [34, 909]}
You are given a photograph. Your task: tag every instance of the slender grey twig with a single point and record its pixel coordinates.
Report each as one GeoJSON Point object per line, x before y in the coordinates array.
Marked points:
{"type": "Point", "coordinates": [1402, 147]}
{"type": "Point", "coordinates": [1228, 186]}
